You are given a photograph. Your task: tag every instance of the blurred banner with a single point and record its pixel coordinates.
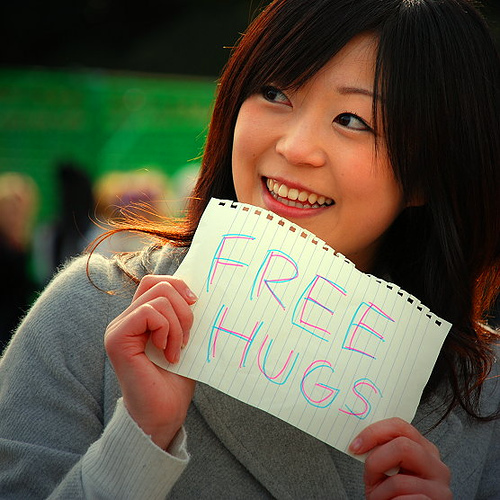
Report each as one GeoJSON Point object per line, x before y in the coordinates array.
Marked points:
{"type": "Point", "coordinates": [104, 121]}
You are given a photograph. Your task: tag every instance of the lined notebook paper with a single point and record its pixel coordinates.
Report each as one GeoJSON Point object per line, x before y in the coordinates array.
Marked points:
{"type": "Point", "coordinates": [286, 324]}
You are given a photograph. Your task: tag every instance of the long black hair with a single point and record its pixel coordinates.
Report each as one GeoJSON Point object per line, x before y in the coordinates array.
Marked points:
{"type": "Point", "coordinates": [438, 84]}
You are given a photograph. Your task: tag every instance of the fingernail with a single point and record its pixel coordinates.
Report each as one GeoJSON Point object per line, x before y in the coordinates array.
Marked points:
{"type": "Point", "coordinates": [191, 296]}
{"type": "Point", "coordinates": [392, 472]}
{"type": "Point", "coordinates": [355, 446]}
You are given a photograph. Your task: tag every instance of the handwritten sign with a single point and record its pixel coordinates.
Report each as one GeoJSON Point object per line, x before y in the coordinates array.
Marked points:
{"type": "Point", "coordinates": [287, 325]}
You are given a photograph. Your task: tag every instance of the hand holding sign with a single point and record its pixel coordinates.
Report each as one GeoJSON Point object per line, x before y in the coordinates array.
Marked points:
{"type": "Point", "coordinates": [160, 312]}
{"type": "Point", "coordinates": [287, 325]}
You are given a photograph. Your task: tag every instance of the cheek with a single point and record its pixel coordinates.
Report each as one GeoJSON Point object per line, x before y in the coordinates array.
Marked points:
{"type": "Point", "coordinates": [251, 142]}
{"type": "Point", "coordinates": [244, 138]}
{"type": "Point", "coordinates": [243, 156]}
{"type": "Point", "coordinates": [248, 141]}
{"type": "Point", "coordinates": [366, 176]}
{"type": "Point", "coordinates": [373, 190]}
{"type": "Point", "coordinates": [254, 129]}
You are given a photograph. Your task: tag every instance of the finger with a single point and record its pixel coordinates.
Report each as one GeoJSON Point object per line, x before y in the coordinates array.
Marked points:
{"type": "Point", "coordinates": [164, 289]}
{"type": "Point", "coordinates": [384, 431]}
{"type": "Point", "coordinates": [406, 455]}
{"type": "Point", "coordinates": [418, 496]}
{"type": "Point", "coordinates": [409, 487]}
{"type": "Point", "coordinates": [161, 321]}
{"type": "Point", "coordinates": [167, 295]}
{"type": "Point", "coordinates": [151, 280]}
{"type": "Point", "coordinates": [174, 290]}
{"type": "Point", "coordinates": [171, 336]}
{"type": "Point", "coordinates": [126, 336]}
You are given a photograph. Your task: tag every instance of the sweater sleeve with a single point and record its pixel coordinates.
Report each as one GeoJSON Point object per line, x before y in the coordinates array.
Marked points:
{"type": "Point", "coordinates": [489, 488]}
{"type": "Point", "coordinates": [125, 464]}
{"type": "Point", "coordinates": [54, 434]}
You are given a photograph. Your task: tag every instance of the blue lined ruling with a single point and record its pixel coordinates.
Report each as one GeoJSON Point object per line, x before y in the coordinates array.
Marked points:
{"type": "Point", "coordinates": [286, 324]}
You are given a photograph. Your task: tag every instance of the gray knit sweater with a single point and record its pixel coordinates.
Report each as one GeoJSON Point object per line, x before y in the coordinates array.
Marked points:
{"type": "Point", "coordinates": [65, 433]}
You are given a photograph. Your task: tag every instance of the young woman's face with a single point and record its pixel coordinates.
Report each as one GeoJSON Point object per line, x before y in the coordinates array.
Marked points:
{"type": "Point", "coordinates": [309, 155]}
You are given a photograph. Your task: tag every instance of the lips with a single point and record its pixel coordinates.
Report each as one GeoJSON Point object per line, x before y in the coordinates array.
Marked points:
{"type": "Point", "coordinates": [294, 197]}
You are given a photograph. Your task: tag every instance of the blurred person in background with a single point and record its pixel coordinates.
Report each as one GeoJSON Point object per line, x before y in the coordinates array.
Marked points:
{"type": "Point", "coordinates": [70, 231]}
{"type": "Point", "coordinates": [143, 193]}
{"type": "Point", "coordinates": [18, 209]}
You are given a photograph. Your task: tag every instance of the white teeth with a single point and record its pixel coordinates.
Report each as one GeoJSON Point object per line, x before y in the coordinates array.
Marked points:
{"type": "Point", "coordinates": [295, 198]}
{"type": "Point", "coordinates": [303, 196]}
{"type": "Point", "coordinates": [283, 191]}
{"type": "Point", "coordinates": [313, 198]}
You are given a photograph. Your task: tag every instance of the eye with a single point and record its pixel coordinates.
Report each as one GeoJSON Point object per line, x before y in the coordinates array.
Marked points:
{"type": "Point", "coordinates": [273, 94]}
{"type": "Point", "coordinates": [352, 121]}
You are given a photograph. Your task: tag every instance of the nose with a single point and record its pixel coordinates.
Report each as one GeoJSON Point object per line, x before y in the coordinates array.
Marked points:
{"type": "Point", "coordinates": [301, 144]}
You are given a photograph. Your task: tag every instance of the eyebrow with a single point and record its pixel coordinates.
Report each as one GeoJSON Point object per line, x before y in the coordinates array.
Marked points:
{"type": "Point", "coordinates": [355, 90]}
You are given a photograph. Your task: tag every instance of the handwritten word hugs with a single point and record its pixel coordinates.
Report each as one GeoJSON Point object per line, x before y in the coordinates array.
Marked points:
{"type": "Point", "coordinates": [287, 325]}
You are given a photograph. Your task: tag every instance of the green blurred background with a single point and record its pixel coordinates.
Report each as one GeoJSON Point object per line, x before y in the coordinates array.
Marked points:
{"type": "Point", "coordinates": [109, 85]}
{"type": "Point", "coordinates": [113, 85]}
{"type": "Point", "coordinates": [99, 120]}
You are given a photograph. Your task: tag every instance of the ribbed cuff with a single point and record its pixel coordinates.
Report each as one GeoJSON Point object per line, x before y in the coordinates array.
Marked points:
{"type": "Point", "coordinates": [125, 463]}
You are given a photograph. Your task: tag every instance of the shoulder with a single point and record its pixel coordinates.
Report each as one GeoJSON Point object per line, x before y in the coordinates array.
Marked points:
{"type": "Point", "coordinates": [91, 274]}
{"type": "Point", "coordinates": [83, 287]}
{"type": "Point", "coordinates": [90, 291]}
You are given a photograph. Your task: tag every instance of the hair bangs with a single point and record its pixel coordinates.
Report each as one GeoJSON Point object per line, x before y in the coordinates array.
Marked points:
{"type": "Point", "coordinates": [298, 38]}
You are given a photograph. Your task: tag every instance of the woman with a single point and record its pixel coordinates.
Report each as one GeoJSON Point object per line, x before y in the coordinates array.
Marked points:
{"type": "Point", "coordinates": [369, 123]}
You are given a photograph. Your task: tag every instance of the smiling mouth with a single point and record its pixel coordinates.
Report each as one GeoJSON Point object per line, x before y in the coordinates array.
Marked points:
{"type": "Point", "coordinates": [293, 197]}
